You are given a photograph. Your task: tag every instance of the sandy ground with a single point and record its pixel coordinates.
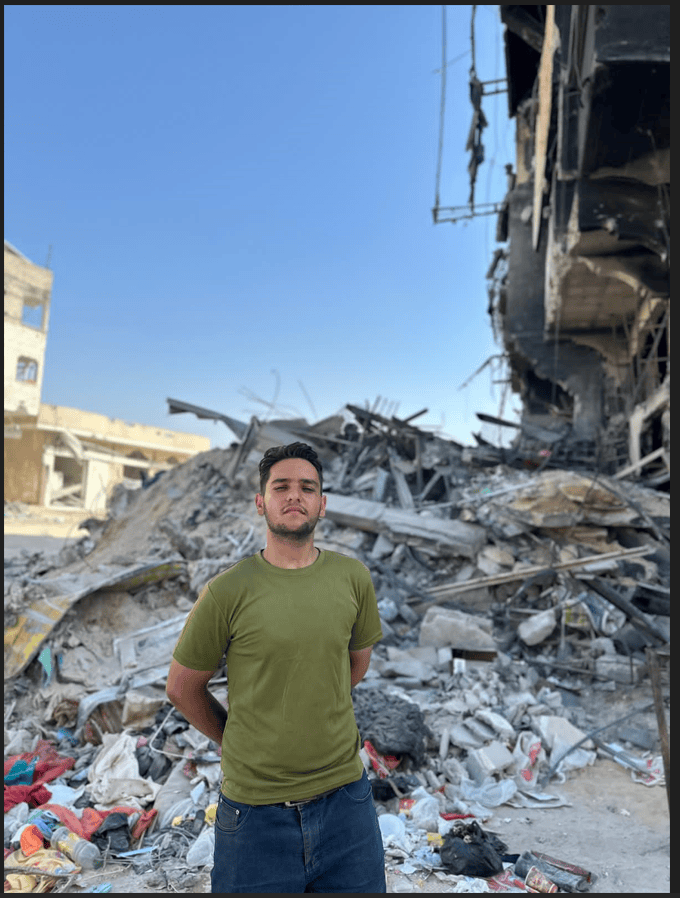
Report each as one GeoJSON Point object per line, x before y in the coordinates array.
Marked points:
{"type": "Point", "coordinates": [36, 520]}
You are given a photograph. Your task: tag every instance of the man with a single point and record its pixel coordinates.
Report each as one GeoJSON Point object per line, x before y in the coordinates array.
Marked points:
{"type": "Point", "coordinates": [298, 624]}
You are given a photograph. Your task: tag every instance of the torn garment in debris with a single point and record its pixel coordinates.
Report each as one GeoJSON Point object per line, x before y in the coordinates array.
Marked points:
{"type": "Point", "coordinates": [382, 764]}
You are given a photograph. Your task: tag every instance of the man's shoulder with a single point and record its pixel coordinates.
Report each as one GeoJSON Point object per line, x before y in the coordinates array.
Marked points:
{"type": "Point", "coordinates": [233, 573]}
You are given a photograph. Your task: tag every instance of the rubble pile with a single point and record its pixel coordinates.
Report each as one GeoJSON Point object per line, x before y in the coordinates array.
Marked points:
{"type": "Point", "coordinates": [509, 596]}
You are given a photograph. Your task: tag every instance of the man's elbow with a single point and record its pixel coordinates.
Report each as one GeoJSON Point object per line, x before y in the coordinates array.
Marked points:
{"type": "Point", "coordinates": [359, 663]}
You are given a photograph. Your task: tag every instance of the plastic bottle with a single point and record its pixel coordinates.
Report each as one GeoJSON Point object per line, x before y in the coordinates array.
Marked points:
{"type": "Point", "coordinates": [82, 852]}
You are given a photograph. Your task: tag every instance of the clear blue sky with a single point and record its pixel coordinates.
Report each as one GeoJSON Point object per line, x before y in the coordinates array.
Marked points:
{"type": "Point", "coordinates": [238, 204]}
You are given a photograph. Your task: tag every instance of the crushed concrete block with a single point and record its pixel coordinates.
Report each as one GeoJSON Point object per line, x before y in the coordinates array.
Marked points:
{"type": "Point", "coordinates": [497, 722]}
{"type": "Point", "coordinates": [387, 610]}
{"type": "Point", "coordinates": [488, 760]}
{"type": "Point", "coordinates": [492, 560]}
{"type": "Point", "coordinates": [444, 658]}
{"type": "Point", "coordinates": [415, 670]}
{"type": "Point", "coordinates": [462, 737]}
{"type": "Point", "coordinates": [479, 728]}
{"type": "Point", "coordinates": [456, 629]}
{"type": "Point", "coordinates": [551, 727]}
{"type": "Point", "coordinates": [620, 669]}
{"type": "Point", "coordinates": [454, 706]}
{"type": "Point", "coordinates": [427, 654]}
{"type": "Point", "coordinates": [382, 547]}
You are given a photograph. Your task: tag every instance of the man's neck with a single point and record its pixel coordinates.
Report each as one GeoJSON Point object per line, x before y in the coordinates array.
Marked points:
{"type": "Point", "coordinates": [286, 554]}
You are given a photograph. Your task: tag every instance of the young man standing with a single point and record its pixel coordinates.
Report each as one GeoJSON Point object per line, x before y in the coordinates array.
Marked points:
{"type": "Point", "coordinates": [298, 624]}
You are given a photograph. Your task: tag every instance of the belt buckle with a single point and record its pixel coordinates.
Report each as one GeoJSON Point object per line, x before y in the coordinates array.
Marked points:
{"type": "Point", "coordinates": [296, 804]}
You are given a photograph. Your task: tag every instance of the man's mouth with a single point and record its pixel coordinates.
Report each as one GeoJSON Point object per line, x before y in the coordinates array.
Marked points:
{"type": "Point", "coordinates": [291, 510]}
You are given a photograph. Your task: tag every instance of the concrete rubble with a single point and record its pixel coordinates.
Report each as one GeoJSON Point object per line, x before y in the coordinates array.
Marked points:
{"type": "Point", "coordinates": [515, 598]}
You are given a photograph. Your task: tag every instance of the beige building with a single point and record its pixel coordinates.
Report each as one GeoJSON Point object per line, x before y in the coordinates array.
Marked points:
{"type": "Point", "coordinates": [27, 311]}
{"type": "Point", "coordinates": [64, 457]}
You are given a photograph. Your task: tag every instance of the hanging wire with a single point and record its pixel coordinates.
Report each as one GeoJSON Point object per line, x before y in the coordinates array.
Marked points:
{"type": "Point", "coordinates": [471, 210]}
{"type": "Point", "coordinates": [442, 106]}
{"type": "Point", "coordinates": [473, 70]}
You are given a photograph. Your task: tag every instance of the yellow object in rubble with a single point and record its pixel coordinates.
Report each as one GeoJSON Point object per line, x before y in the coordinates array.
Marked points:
{"type": "Point", "coordinates": [210, 813]}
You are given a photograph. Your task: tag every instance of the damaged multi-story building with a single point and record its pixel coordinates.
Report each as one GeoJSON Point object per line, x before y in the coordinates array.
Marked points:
{"type": "Point", "coordinates": [579, 290]}
{"type": "Point", "coordinates": [59, 457]}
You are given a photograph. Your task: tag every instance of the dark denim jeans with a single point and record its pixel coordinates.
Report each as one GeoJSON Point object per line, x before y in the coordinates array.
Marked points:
{"type": "Point", "coordinates": [332, 844]}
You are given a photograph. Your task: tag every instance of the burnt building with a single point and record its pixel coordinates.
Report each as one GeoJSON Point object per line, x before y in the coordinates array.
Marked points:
{"type": "Point", "coordinates": [579, 291]}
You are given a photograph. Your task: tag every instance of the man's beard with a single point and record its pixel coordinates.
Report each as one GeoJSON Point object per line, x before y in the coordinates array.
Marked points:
{"type": "Point", "coordinates": [299, 535]}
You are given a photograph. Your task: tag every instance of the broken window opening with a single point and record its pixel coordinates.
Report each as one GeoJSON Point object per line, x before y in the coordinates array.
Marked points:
{"type": "Point", "coordinates": [32, 315]}
{"type": "Point", "coordinates": [67, 482]}
{"type": "Point", "coordinates": [134, 472]}
{"type": "Point", "coordinates": [27, 370]}
{"type": "Point", "coordinates": [130, 473]}
{"type": "Point", "coordinates": [653, 435]}
{"type": "Point", "coordinates": [543, 396]}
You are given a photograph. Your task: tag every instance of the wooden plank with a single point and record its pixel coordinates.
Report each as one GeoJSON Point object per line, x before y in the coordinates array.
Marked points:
{"type": "Point", "coordinates": [446, 591]}
{"type": "Point", "coordinates": [72, 490]}
{"type": "Point", "coordinates": [630, 469]}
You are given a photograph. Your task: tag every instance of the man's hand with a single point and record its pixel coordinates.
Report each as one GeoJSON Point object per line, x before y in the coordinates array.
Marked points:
{"type": "Point", "coordinates": [358, 664]}
{"type": "Point", "coordinates": [187, 689]}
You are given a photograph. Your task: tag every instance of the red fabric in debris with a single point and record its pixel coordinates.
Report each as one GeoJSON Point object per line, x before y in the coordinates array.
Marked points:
{"type": "Point", "coordinates": [144, 823]}
{"type": "Point", "coordinates": [68, 818]}
{"type": "Point", "coordinates": [382, 764]}
{"type": "Point", "coordinates": [92, 819]}
{"type": "Point", "coordinates": [34, 795]}
{"type": "Point", "coordinates": [49, 765]}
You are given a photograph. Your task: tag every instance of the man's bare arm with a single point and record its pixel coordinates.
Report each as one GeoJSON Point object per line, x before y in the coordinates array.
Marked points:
{"type": "Point", "coordinates": [358, 664]}
{"type": "Point", "coordinates": [187, 689]}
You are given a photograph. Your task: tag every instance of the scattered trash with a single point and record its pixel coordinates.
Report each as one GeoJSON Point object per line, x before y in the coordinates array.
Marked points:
{"type": "Point", "coordinates": [502, 593]}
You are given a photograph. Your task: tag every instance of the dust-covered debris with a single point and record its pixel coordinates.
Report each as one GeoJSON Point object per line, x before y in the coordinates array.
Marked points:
{"type": "Point", "coordinates": [519, 608]}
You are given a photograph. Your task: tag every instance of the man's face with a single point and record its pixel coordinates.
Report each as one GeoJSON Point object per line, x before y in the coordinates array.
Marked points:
{"type": "Point", "coordinates": [292, 503]}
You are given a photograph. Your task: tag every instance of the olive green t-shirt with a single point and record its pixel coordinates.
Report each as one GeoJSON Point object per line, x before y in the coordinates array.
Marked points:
{"type": "Point", "coordinates": [290, 731]}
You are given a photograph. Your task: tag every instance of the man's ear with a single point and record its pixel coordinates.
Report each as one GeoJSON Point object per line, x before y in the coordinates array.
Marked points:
{"type": "Point", "coordinates": [259, 504]}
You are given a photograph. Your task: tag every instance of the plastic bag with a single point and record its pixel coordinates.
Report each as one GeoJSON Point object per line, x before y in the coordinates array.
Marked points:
{"type": "Point", "coordinates": [469, 850]}
{"type": "Point", "coordinates": [490, 793]}
{"type": "Point", "coordinates": [202, 851]}
{"type": "Point", "coordinates": [425, 813]}
{"type": "Point", "coordinates": [530, 758]}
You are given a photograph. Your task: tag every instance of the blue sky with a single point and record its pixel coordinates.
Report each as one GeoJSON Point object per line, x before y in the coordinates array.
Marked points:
{"type": "Point", "coordinates": [238, 204]}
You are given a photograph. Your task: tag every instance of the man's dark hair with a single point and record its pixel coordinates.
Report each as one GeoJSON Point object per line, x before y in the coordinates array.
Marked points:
{"type": "Point", "coordinates": [292, 450]}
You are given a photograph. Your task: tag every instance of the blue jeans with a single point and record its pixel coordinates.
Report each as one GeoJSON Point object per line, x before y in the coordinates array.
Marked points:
{"type": "Point", "coordinates": [332, 844]}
